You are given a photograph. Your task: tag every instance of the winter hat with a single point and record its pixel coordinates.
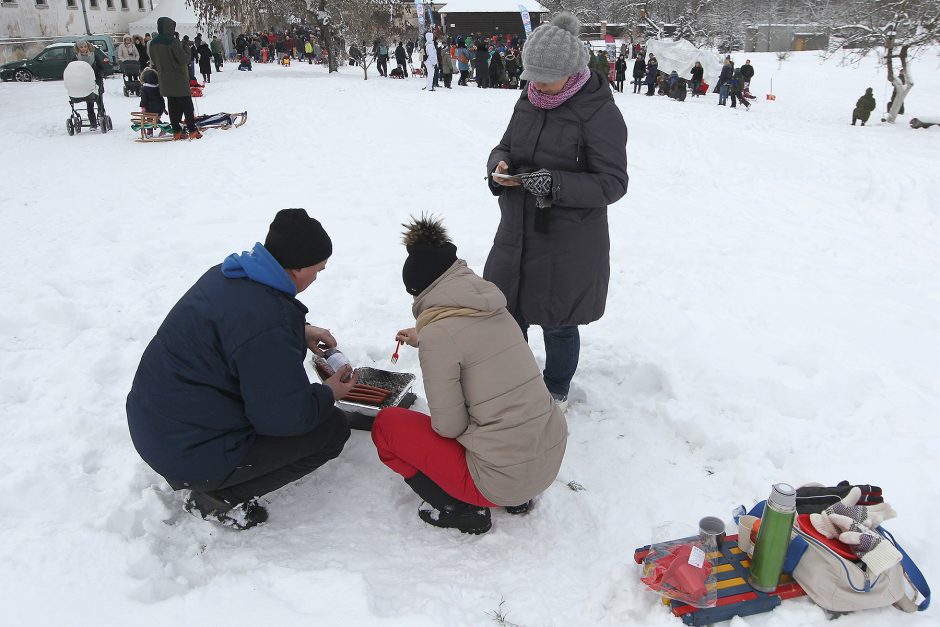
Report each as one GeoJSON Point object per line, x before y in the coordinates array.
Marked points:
{"type": "Point", "coordinates": [296, 240]}
{"type": "Point", "coordinates": [430, 253]}
{"type": "Point", "coordinates": [554, 51]}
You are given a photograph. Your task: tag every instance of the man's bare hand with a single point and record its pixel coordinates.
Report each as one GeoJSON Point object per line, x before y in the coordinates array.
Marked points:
{"type": "Point", "coordinates": [342, 382]}
{"type": "Point", "coordinates": [318, 339]}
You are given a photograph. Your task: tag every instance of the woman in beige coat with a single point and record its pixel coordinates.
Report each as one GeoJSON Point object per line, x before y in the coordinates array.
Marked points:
{"type": "Point", "coordinates": [495, 437]}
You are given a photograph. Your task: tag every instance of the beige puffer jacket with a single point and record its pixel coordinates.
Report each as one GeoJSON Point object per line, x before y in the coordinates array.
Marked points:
{"type": "Point", "coordinates": [485, 389]}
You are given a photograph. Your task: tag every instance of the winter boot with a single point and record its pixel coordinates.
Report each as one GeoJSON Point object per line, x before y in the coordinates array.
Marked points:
{"type": "Point", "coordinates": [195, 135]}
{"type": "Point", "coordinates": [519, 510]}
{"type": "Point", "coordinates": [446, 511]}
{"type": "Point", "coordinates": [239, 516]}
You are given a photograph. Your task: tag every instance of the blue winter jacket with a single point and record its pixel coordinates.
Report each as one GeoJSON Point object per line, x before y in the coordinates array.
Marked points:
{"type": "Point", "coordinates": [225, 366]}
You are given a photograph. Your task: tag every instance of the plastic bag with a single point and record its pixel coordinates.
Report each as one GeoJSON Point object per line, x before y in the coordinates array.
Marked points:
{"type": "Point", "coordinates": [680, 570]}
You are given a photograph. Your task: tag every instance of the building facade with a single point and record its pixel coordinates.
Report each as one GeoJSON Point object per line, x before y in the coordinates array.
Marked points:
{"type": "Point", "coordinates": [784, 37]}
{"type": "Point", "coordinates": [26, 26]}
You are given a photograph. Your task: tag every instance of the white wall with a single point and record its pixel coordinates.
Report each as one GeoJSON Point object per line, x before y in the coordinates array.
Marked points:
{"type": "Point", "coordinates": [25, 26]}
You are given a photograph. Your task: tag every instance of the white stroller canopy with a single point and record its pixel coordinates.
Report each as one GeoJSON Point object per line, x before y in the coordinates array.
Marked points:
{"type": "Point", "coordinates": [79, 79]}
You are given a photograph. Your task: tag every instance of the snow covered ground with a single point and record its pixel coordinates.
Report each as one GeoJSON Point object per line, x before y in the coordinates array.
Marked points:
{"type": "Point", "coordinates": [774, 315]}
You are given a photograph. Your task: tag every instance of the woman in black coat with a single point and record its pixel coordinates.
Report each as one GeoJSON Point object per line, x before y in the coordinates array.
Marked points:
{"type": "Point", "coordinates": [639, 70]}
{"type": "Point", "coordinates": [550, 256]}
{"type": "Point", "coordinates": [620, 69]}
{"type": "Point", "coordinates": [205, 61]}
{"type": "Point", "coordinates": [698, 72]}
{"type": "Point", "coordinates": [496, 70]}
{"type": "Point", "coordinates": [482, 65]}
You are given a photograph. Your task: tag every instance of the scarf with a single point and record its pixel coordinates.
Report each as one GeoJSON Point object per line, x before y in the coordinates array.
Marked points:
{"type": "Point", "coordinates": [88, 57]}
{"type": "Point", "coordinates": [433, 314]}
{"type": "Point", "coordinates": [572, 86]}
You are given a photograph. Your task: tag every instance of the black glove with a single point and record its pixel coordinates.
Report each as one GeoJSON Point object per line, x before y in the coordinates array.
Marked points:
{"type": "Point", "coordinates": [815, 499]}
{"type": "Point", "coordinates": [538, 183]}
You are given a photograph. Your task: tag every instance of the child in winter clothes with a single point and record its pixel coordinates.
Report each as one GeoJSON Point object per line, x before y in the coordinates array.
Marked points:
{"type": "Point", "coordinates": [245, 64]}
{"type": "Point", "coordinates": [494, 437]}
{"type": "Point", "coordinates": [150, 99]}
{"type": "Point", "coordinates": [864, 107]}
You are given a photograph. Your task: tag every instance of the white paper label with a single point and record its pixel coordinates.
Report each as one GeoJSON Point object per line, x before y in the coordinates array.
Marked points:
{"type": "Point", "coordinates": [697, 557]}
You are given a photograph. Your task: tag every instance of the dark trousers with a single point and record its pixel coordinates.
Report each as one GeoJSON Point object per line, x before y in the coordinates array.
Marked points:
{"type": "Point", "coordinates": [735, 96]}
{"type": "Point", "coordinates": [404, 69]}
{"type": "Point", "coordinates": [562, 349]}
{"type": "Point", "coordinates": [272, 463]}
{"type": "Point", "coordinates": [637, 85]}
{"type": "Point", "coordinates": [218, 62]}
{"type": "Point", "coordinates": [382, 66]}
{"type": "Point", "coordinates": [483, 78]}
{"type": "Point", "coordinates": [447, 79]}
{"type": "Point", "coordinates": [463, 77]}
{"type": "Point", "coordinates": [177, 107]}
{"type": "Point", "coordinates": [437, 75]}
{"type": "Point", "coordinates": [619, 86]}
{"type": "Point", "coordinates": [650, 87]}
{"type": "Point", "coordinates": [91, 100]}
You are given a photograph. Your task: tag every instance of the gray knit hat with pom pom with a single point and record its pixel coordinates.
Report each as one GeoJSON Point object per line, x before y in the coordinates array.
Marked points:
{"type": "Point", "coordinates": [553, 51]}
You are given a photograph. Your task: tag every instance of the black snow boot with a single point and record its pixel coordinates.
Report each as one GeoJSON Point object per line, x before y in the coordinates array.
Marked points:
{"type": "Point", "coordinates": [446, 511]}
{"type": "Point", "coordinates": [238, 516]}
{"type": "Point", "coordinates": [519, 510]}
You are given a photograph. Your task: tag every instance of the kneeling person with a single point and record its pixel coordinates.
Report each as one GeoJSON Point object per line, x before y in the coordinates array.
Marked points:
{"type": "Point", "coordinates": [495, 436]}
{"type": "Point", "coordinates": [221, 403]}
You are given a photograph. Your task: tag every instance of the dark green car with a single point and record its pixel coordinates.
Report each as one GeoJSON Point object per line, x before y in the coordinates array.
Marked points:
{"type": "Point", "coordinates": [47, 65]}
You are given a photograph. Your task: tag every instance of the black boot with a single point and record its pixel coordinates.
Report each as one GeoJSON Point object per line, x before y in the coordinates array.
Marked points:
{"type": "Point", "coordinates": [238, 516]}
{"type": "Point", "coordinates": [519, 510]}
{"type": "Point", "coordinates": [447, 511]}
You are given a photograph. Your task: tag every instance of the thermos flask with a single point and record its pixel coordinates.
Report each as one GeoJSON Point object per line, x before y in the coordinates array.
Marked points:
{"type": "Point", "coordinates": [773, 538]}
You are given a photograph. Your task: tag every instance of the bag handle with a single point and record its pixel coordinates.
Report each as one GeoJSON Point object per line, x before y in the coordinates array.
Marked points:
{"type": "Point", "coordinates": [913, 575]}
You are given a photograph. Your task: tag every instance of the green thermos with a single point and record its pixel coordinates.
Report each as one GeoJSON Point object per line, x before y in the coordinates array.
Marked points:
{"type": "Point", "coordinates": [773, 538]}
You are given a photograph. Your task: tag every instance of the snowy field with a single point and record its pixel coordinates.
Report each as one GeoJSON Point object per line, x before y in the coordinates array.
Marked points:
{"type": "Point", "coordinates": [774, 315]}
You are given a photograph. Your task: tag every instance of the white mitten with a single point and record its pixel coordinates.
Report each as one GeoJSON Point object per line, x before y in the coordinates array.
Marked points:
{"type": "Point", "coordinates": [868, 515]}
{"type": "Point", "coordinates": [877, 553]}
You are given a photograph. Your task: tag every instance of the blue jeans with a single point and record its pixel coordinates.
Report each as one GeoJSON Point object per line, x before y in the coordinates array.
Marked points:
{"type": "Point", "coordinates": [562, 349]}
{"type": "Point", "coordinates": [723, 94]}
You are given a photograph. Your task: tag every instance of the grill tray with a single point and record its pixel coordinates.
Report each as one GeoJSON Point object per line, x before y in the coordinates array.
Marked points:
{"type": "Point", "coordinates": [399, 383]}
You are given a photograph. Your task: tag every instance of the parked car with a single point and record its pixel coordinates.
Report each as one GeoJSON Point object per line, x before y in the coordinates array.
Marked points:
{"type": "Point", "coordinates": [104, 43]}
{"type": "Point", "coordinates": [48, 64]}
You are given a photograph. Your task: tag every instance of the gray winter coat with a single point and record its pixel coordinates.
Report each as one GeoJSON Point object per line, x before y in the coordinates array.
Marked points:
{"type": "Point", "coordinates": [485, 389]}
{"type": "Point", "coordinates": [560, 278]}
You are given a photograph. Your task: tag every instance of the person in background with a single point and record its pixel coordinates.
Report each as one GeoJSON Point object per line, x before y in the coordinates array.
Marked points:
{"type": "Point", "coordinates": [150, 99]}
{"type": "Point", "coordinates": [724, 81]}
{"type": "Point", "coordinates": [430, 61]}
{"type": "Point", "coordinates": [620, 72]}
{"type": "Point", "coordinates": [127, 51]}
{"type": "Point", "coordinates": [737, 89]}
{"type": "Point", "coordinates": [551, 253]}
{"type": "Point", "coordinates": [141, 45]}
{"type": "Point", "coordinates": [493, 437]}
{"type": "Point", "coordinates": [863, 107]}
{"type": "Point", "coordinates": [747, 71]}
{"type": "Point", "coordinates": [698, 73]}
{"type": "Point", "coordinates": [205, 62]}
{"type": "Point", "coordinates": [482, 65]}
{"type": "Point", "coordinates": [215, 47]}
{"type": "Point", "coordinates": [401, 59]}
{"type": "Point", "coordinates": [652, 73]}
{"type": "Point", "coordinates": [447, 66]}
{"type": "Point", "coordinates": [463, 63]}
{"type": "Point", "coordinates": [90, 54]}
{"type": "Point", "coordinates": [170, 58]}
{"type": "Point", "coordinates": [221, 404]}
{"type": "Point", "coordinates": [639, 71]}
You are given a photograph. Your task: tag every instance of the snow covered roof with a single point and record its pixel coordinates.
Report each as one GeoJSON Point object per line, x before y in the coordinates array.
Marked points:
{"type": "Point", "coordinates": [491, 6]}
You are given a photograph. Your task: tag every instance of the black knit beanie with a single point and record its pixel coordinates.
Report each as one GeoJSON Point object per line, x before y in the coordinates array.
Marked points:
{"type": "Point", "coordinates": [296, 240]}
{"type": "Point", "coordinates": [430, 253]}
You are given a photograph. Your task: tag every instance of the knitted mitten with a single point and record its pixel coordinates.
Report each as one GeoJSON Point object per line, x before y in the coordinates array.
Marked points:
{"type": "Point", "coordinates": [877, 553]}
{"type": "Point", "coordinates": [868, 515]}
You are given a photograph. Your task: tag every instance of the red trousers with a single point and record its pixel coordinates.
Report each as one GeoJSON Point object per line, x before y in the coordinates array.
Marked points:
{"type": "Point", "coordinates": [407, 444]}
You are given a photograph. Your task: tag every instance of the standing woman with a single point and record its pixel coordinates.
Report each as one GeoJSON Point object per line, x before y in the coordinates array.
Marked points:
{"type": "Point", "coordinates": [553, 262]}
{"type": "Point", "coordinates": [639, 70]}
{"type": "Point", "coordinates": [621, 72]}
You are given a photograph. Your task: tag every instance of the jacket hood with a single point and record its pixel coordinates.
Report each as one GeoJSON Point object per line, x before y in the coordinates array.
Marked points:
{"type": "Point", "coordinates": [166, 26]}
{"type": "Point", "coordinates": [429, 37]}
{"type": "Point", "coordinates": [459, 286]}
{"type": "Point", "coordinates": [259, 266]}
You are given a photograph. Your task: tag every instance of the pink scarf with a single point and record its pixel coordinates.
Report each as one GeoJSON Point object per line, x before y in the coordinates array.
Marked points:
{"type": "Point", "coordinates": [545, 101]}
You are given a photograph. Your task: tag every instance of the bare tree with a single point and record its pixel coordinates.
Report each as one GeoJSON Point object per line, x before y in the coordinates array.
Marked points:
{"type": "Point", "coordinates": [902, 28]}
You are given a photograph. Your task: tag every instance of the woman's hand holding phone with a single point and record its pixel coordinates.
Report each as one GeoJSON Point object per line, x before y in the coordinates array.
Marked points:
{"type": "Point", "coordinates": [502, 177]}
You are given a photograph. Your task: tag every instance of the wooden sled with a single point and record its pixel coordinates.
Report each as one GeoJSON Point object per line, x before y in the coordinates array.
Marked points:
{"type": "Point", "coordinates": [143, 122]}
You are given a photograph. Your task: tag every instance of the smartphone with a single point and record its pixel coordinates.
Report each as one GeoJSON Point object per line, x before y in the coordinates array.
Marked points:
{"type": "Point", "coordinates": [507, 177]}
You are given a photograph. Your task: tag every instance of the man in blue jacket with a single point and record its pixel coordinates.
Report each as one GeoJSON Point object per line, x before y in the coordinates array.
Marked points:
{"type": "Point", "coordinates": [221, 404]}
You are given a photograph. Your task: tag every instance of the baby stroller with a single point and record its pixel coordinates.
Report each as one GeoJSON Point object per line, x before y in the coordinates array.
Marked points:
{"type": "Point", "coordinates": [81, 88]}
{"type": "Point", "coordinates": [131, 71]}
